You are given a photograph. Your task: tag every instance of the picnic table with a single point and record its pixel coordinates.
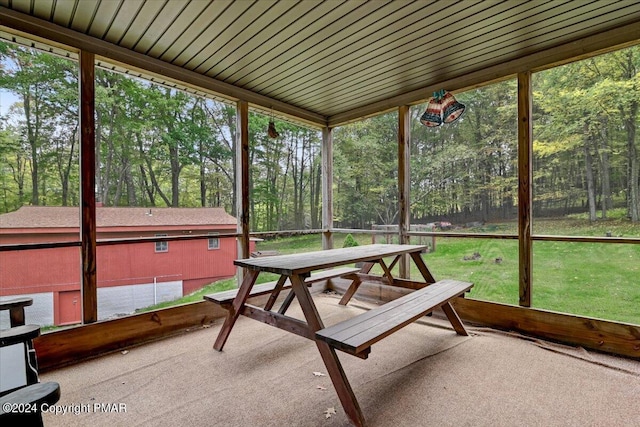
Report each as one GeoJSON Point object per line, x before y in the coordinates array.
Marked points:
{"type": "Point", "coordinates": [355, 335]}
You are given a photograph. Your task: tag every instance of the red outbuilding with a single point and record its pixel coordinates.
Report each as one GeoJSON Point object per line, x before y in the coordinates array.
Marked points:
{"type": "Point", "coordinates": [130, 276]}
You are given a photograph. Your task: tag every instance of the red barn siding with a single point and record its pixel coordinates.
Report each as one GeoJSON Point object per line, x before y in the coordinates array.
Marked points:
{"type": "Point", "coordinates": [57, 271]}
{"type": "Point", "coordinates": [39, 270]}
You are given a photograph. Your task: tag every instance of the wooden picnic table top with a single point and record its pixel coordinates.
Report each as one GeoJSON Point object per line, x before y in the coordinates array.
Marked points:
{"type": "Point", "coordinates": [303, 263]}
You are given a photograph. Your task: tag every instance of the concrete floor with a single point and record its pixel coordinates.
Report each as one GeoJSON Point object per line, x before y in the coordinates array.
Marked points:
{"type": "Point", "coordinates": [423, 375]}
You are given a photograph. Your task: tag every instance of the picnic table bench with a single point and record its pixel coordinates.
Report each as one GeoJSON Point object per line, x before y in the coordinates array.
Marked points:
{"type": "Point", "coordinates": [356, 335]}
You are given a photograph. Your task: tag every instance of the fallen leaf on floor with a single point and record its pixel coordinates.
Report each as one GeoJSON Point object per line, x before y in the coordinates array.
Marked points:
{"type": "Point", "coordinates": [124, 351]}
{"type": "Point", "coordinates": [319, 387]}
{"type": "Point", "coordinates": [329, 412]}
{"type": "Point", "coordinates": [319, 374]}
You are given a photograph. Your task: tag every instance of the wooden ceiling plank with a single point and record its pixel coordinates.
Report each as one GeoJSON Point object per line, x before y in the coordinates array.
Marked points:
{"type": "Point", "coordinates": [445, 60]}
{"type": "Point", "coordinates": [124, 19]}
{"type": "Point", "coordinates": [144, 20]}
{"type": "Point", "coordinates": [273, 34]}
{"type": "Point", "coordinates": [155, 47]}
{"type": "Point", "coordinates": [413, 77]}
{"type": "Point", "coordinates": [390, 53]}
{"type": "Point", "coordinates": [23, 6]}
{"type": "Point", "coordinates": [188, 46]}
{"type": "Point", "coordinates": [62, 12]}
{"type": "Point", "coordinates": [336, 41]}
{"type": "Point", "coordinates": [251, 38]}
{"type": "Point", "coordinates": [84, 15]}
{"type": "Point", "coordinates": [237, 33]}
{"type": "Point", "coordinates": [161, 22]}
{"type": "Point", "coordinates": [403, 39]}
{"type": "Point", "coordinates": [44, 9]}
{"type": "Point", "coordinates": [442, 42]}
{"type": "Point", "coordinates": [106, 13]}
{"type": "Point", "coordinates": [298, 42]}
{"type": "Point", "coordinates": [388, 19]}
{"type": "Point", "coordinates": [290, 27]}
{"type": "Point", "coordinates": [332, 32]}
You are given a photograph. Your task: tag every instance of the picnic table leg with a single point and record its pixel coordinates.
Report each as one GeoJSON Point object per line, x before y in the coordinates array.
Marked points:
{"type": "Point", "coordinates": [448, 309]}
{"type": "Point", "coordinates": [236, 306]}
{"type": "Point", "coordinates": [275, 293]}
{"type": "Point", "coordinates": [328, 354]}
{"type": "Point", "coordinates": [419, 262]}
{"type": "Point", "coordinates": [366, 267]}
{"type": "Point", "coordinates": [350, 291]}
{"type": "Point", "coordinates": [287, 302]}
{"type": "Point", "coordinates": [453, 317]}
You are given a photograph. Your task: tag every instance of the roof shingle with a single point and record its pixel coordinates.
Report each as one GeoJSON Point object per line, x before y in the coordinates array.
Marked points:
{"type": "Point", "coordinates": [69, 217]}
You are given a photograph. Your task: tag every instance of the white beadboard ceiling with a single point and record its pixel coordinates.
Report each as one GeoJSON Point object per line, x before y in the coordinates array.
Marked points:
{"type": "Point", "coordinates": [331, 60]}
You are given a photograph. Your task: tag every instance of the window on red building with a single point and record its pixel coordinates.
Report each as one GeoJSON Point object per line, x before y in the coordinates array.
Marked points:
{"type": "Point", "coordinates": [214, 242]}
{"type": "Point", "coordinates": [162, 246]}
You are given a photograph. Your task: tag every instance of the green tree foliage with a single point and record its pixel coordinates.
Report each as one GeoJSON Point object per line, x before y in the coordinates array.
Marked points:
{"type": "Point", "coordinates": [156, 146]}
{"type": "Point", "coordinates": [365, 172]}
{"type": "Point", "coordinates": [44, 123]}
{"type": "Point", "coordinates": [285, 176]}
{"type": "Point", "coordinates": [585, 151]}
{"type": "Point", "coordinates": [159, 146]}
{"type": "Point", "coordinates": [586, 146]}
{"type": "Point", "coordinates": [467, 169]}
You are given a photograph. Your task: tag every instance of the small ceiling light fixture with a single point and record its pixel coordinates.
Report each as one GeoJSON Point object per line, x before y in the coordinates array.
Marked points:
{"type": "Point", "coordinates": [442, 108]}
{"type": "Point", "coordinates": [272, 132]}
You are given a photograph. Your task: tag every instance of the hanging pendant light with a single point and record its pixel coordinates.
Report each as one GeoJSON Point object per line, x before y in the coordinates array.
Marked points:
{"type": "Point", "coordinates": [271, 131]}
{"type": "Point", "coordinates": [441, 108]}
{"type": "Point", "coordinates": [451, 109]}
{"type": "Point", "coordinates": [432, 116]}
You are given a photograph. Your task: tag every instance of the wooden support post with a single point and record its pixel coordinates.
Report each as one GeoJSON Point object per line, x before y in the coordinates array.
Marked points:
{"type": "Point", "coordinates": [404, 181]}
{"type": "Point", "coordinates": [525, 177]}
{"type": "Point", "coordinates": [327, 188]}
{"type": "Point", "coordinates": [242, 180]}
{"type": "Point", "coordinates": [87, 188]}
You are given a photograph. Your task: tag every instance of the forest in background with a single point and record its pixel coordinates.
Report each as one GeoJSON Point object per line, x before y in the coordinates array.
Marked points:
{"type": "Point", "coordinates": [158, 146]}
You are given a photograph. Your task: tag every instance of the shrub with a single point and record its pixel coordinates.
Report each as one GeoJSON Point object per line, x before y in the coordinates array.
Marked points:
{"type": "Point", "coordinates": [349, 241]}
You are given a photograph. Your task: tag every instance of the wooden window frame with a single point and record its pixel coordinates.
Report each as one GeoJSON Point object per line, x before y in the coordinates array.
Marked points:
{"type": "Point", "coordinates": [161, 244]}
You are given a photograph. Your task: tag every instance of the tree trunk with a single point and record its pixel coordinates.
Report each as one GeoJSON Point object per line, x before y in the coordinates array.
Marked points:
{"type": "Point", "coordinates": [203, 186]}
{"type": "Point", "coordinates": [316, 190]}
{"type": "Point", "coordinates": [98, 126]}
{"type": "Point", "coordinates": [588, 164]}
{"type": "Point", "coordinates": [132, 198]}
{"type": "Point", "coordinates": [633, 164]}
{"type": "Point", "coordinates": [65, 168]}
{"type": "Point", "coordinates": [605, 172]}
{"type": "Point", "coordinates": [175, 176]}
{"type": "Point", "coordinates": [32, 135]}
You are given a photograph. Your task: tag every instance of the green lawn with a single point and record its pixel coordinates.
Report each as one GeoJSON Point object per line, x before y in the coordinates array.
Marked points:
{"type": "Point", "coordinates": [591, 279]}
